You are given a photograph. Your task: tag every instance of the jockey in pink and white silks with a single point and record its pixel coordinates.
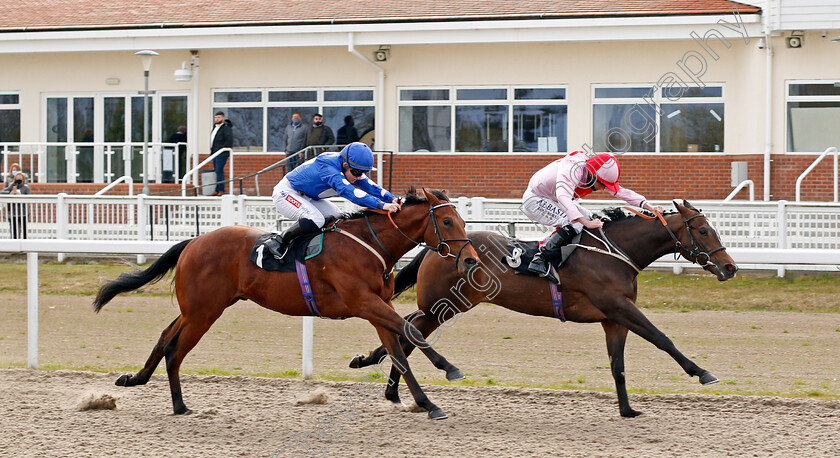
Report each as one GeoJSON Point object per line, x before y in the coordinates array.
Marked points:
{"type": "Point", "coordinates": [552, 191]}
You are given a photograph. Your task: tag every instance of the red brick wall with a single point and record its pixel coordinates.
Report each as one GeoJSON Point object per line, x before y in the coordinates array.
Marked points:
{"type": "Point", "coordinates": [654, 176]}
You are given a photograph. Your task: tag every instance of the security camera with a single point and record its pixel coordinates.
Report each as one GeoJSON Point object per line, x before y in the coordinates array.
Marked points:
{"type": "Point", "coordinates": [183, 74]}
{"type": "Point", "coordinates": [761, 43]}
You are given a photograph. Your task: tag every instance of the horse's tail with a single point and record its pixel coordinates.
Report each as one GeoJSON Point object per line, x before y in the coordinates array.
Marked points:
{"type": "Point", "coordinates": [407, 276]}
{"type": "Point", "coordinates": [129, 281]}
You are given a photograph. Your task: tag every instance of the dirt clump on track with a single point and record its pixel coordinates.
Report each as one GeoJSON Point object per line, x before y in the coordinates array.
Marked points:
{"type": "Point", "coordinates": [244, 416]}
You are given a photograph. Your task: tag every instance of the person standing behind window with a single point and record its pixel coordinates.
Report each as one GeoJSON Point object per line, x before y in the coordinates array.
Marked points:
{"type": "Point", "coordinates": [221, 137]}
{"type": "Point", "coordinates": [180, 137]}
{"type": "Point", "coordinates": [319, 134]}
{"type": "Point", "coordinates": [295, 138]}
{"type": "Point", "coordinates": [17, 210]}
{"type": "Point", "coordinates": [347, 133]}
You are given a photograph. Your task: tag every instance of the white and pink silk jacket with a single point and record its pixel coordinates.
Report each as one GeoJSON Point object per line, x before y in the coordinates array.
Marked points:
{"type": "Point", "coordinates": [563, 181]}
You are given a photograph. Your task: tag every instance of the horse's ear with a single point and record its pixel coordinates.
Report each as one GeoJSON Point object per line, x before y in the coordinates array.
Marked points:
{"type": "Point", "coordinates": [689, 206]}
{"type": "Point", "coordinates": [682, 209]}
{"type": "Point", "coordinates": [431, 197]}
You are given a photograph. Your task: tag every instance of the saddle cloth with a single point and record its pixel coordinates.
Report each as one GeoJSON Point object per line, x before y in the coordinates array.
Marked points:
{"type": "Point", "coordinates": [301, 248]}
{"type": "Point", "coordinates": [520, 254]}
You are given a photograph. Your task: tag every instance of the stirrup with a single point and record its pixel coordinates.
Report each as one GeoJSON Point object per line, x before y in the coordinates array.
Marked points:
{"type": "Point", "coordinates": [552, 275]}
{"type": "Point", "coordinates": [546, 268]}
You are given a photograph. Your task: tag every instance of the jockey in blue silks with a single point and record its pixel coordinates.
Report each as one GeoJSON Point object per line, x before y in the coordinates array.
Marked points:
{"type": "Point", "coordinates": [298, 196]}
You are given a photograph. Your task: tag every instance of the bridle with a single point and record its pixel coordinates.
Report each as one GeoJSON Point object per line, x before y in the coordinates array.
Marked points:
{"type": "Point", "coordinates": [697, 250]}
{"type": "Point", "coordinates": [442, 248]}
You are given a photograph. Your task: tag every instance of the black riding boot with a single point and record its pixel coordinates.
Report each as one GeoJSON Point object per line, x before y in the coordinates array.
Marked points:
{"type": "Point", "coordinates": [551, 250]}
{"type": "Point", "coordinates": [303, 226]}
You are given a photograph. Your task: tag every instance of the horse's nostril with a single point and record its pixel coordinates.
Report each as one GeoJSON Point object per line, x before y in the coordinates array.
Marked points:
{"type": "Point", "coordinates": [731, 268]}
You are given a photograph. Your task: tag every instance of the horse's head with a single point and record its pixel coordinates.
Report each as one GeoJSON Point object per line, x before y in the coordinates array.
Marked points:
{"type": "Point", "coordinates": [447, 232]}
{"type": "Point", "coordinates": [701, 243]}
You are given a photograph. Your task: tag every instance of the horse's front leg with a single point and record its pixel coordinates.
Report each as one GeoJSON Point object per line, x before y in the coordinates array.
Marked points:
{"type": "Point", "coordinates": [616, 337]}
{"type": "Point", "coordinates": [625, 313]}
{"type": "Point", "coordinates": [390, 326]}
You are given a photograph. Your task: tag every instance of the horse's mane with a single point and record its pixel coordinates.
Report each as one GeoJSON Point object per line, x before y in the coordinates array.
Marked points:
{"type": "Point", "coordinates": [615, 214]}
{"type": "Point", "coordinates": [412, 197]}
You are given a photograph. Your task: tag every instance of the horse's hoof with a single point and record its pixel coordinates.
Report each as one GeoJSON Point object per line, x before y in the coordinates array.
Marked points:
{"type": "Point", "coordinates": [630, 413]}
{"type": "Point", "coordinates": [438, 414]}
{"type": "Point", "coordinates": [707, 378]}
{"type": "Point", "coordinates": [356, 362]}
{"type": "Point", "coordinates": [455, 375]}
{"type": "Point", "coordinates": [123, 380]}
{"type": "Point", "coordinates": [185, 411]}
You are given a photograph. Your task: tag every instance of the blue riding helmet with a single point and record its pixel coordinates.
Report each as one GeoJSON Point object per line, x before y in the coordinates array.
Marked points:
{"type": "Point", "coordinates": [358, 156]}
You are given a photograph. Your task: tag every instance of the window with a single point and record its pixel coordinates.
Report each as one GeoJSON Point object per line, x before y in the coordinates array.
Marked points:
{"type": "Point", "coordinates": [9, 117]}
{"type": "Point", "coordinates": [260, 116]}
{"type": "Point", "coordinates": [648, 119]}
{"type": "Point", "coordinates": [489, 119]}
{"type": "Point", "coordinates": [813, 114]}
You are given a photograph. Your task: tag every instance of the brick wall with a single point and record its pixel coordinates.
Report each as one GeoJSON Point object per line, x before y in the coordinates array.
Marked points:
{"type": "Point", "coordinates": [655, 176]}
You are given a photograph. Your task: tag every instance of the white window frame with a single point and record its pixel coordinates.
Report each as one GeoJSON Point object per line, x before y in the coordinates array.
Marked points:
{"type": "Point", "coordinates": [658, 99]}
{"type": "Point", "coordinates": [265, 104]}
{"type": "Point", "coordinates": [804, 98]}
{"type": "Point", "coordinates": [510, 101]}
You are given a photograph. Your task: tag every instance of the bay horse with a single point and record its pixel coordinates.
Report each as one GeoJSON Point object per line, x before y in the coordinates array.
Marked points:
{"type": "Point", "coordinates": [595, 287]}
{"type": "Point", "coordinates": [213, 272]}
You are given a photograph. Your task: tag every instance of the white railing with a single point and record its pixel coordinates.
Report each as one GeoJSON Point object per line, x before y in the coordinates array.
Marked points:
{"type": "Point", "coordinates": [812, 166]}
{"type": "Point", "coordinates": [107, 160]}
{"type": "Point", "coordinates": [191, 173]}
{"type": "Point", "coordinates": [739, 188]}
{"type": "Point", "coordinates": [749, 225]}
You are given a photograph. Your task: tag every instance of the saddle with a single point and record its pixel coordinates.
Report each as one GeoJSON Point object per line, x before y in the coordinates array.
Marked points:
{"type": "Point", "coordinates": [520, 254]}
{"type": "Point", "coordinates": [301, 248]}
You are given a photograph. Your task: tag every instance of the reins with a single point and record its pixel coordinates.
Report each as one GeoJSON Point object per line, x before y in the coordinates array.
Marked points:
{"type": "Point", "coordinates": [442, 248]}
{"type": "Point", "coordinates": [696, 249]}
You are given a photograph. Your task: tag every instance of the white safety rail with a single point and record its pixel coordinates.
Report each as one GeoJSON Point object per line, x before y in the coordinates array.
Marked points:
{"type": "Point", "coordinates": [741, 224]}
{"type": "Point", "coordinates": [107, 160]}
{"type": "Point", "coordinates": [33, 247]}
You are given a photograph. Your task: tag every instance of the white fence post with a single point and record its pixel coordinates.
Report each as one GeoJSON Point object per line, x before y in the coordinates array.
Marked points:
{"type": "Point", "coordinates": [61, 217]}
{"type": "Point", "coordinates": [228, 218]}
{"type": "Point", "coordinates": [308, 338]}
{"type": "Point", "coordinates": [142, 220]}
{"type": "Point", "coordinates": [478, 212]}
{"type": "Point", "coordinates": [32, 310]}
{"type": "Point", "coordinates": [781, 223]}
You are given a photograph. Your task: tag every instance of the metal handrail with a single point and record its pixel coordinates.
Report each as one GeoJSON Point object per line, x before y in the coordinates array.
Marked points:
{"type": "Point", "coordinates": [197, 167]}
{"type": "Point", "coordinates": [283, 162]}
{"type": "Point", "coordinates": [125, 178]}
{"type": "Point", "coordinates": [816, 162]}
{"type": "Point", "coordinates": [739, 188]}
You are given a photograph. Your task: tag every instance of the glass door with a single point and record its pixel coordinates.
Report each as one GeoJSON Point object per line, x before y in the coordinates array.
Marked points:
{"type": "Point", "coordinates": [56, 132]}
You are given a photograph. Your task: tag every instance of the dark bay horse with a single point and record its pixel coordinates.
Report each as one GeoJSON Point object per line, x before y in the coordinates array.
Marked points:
{"type": "Point", "coordinates": [213, 271]}
{"type": "Point", "coordinates": [596, 287]}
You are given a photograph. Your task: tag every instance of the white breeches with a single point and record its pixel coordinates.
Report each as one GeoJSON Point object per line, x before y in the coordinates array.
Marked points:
{"type": "Point", "coordinates": [294, 206]}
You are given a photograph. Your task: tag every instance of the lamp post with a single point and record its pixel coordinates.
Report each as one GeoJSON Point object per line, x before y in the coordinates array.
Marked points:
{"type": "Point", "coordinates": [146, 57]}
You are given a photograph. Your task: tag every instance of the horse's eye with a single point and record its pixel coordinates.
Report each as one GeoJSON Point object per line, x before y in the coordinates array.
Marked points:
{"type": "Point", "coordinates": [704, 232]}
{"type": "Point", "coordinates": [447, 222]}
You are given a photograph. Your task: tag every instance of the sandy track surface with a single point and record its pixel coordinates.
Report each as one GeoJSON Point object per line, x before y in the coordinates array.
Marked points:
{"type": "Point", "coordinates": [242, 416]}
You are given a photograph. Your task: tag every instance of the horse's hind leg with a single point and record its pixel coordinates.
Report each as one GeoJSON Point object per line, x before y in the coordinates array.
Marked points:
{"type": "Point", "coordinates": [186, 337]}
{"type": "Point", "coordinates": [375, 356]}
{"type": "Point", "coordinates": [627, 314]}
{"type": "Point", "coordinates": [616, 337]}
{"type": "Point", "coordinates": [143, 376]}
{"type": "Point", "coordinates": [391, 343]}
{"type": "Point", "coordinates": [426, 324]}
